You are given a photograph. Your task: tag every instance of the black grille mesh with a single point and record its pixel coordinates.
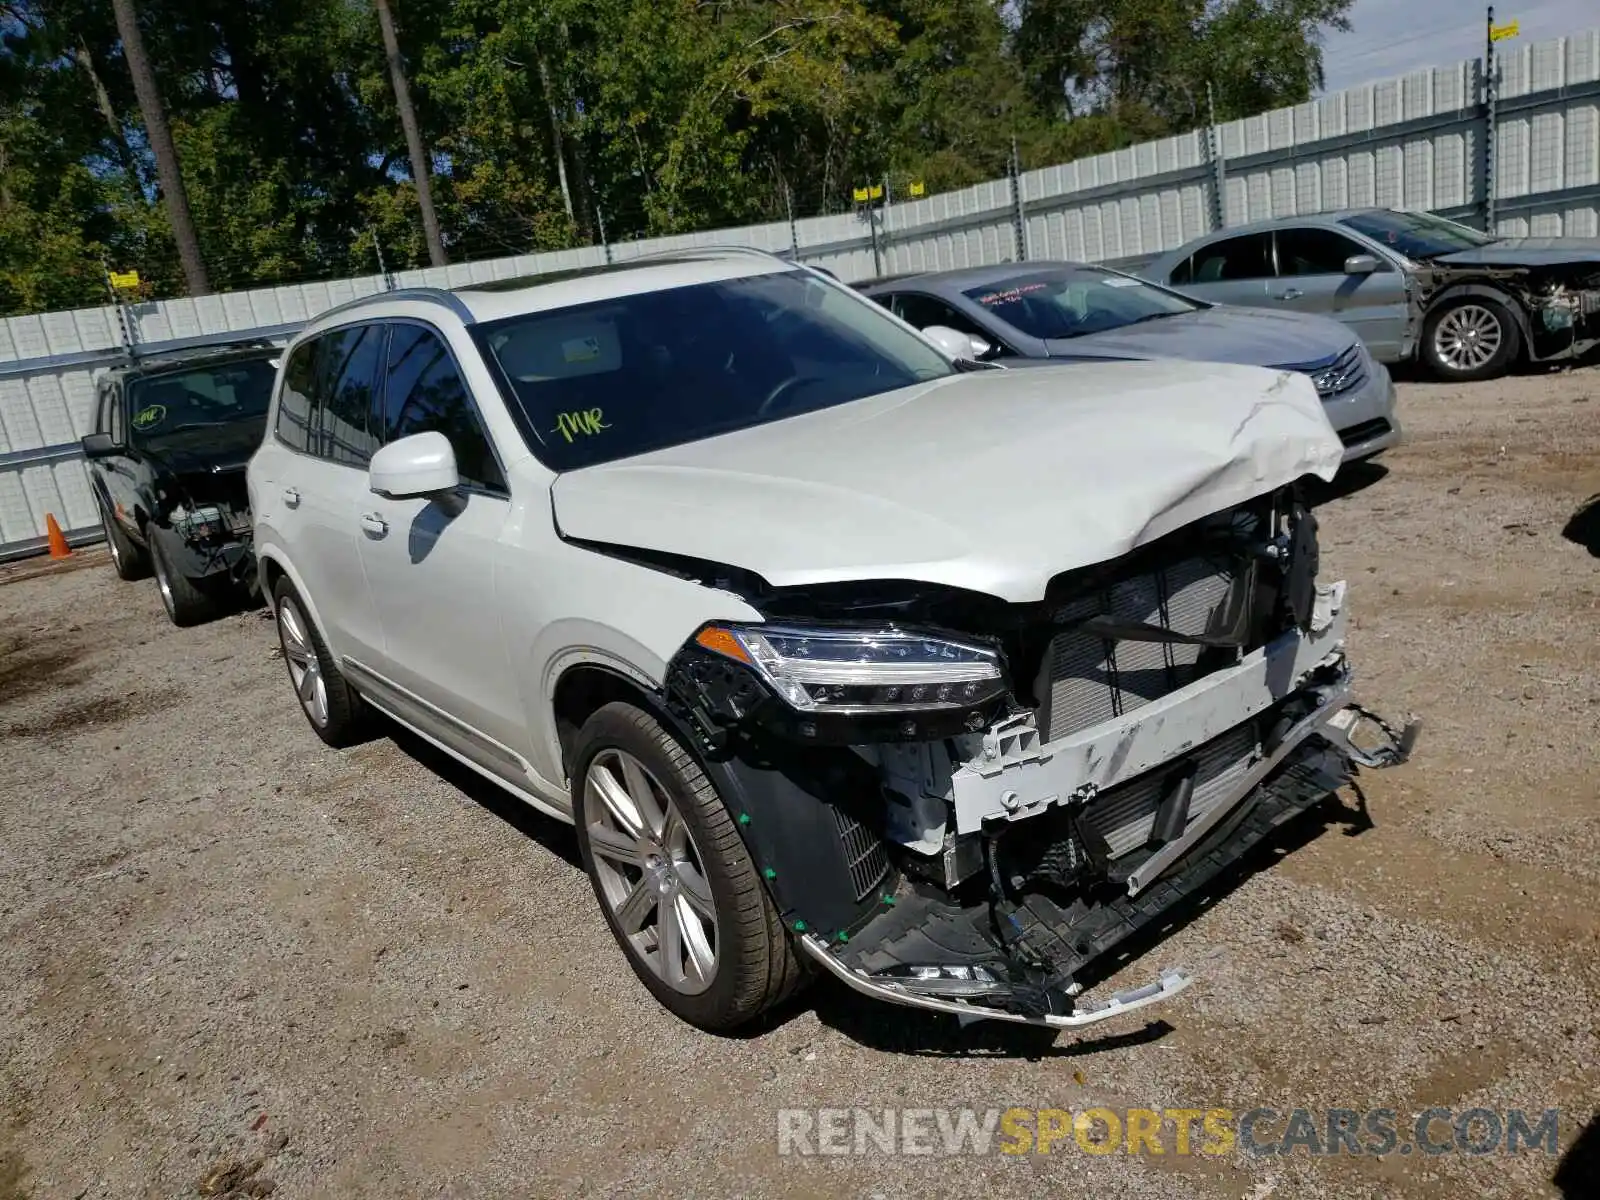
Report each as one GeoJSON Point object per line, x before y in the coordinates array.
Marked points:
{"type": "Point", "coordinates": [864, 851]}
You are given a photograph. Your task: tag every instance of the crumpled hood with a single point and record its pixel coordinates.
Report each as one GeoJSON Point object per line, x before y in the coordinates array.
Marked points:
{"type": "Point", "coordinates": [204, 451]}
{"type": "Point", "coordinates": [993, 481]}
{"type": "Point", "coordinates": [1526, 252]}
{"type": "Point", "coordinates": [1222, 334]}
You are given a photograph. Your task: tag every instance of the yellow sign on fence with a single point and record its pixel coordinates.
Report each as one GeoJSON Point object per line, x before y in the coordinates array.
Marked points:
{"type": "Point", "coordinates": [916, 188]}
{"type": "Point", "coordinates": [862, 195]}
{"type": "Point", "coordinates": [124, 280]}
{"type": "Point", "coordinates": [1498, 33]}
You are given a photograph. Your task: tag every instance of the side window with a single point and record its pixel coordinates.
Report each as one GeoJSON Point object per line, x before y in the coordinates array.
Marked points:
{"type": "Point", "coordinates": [348, 374]}
{"type": "Point", "coordinates": [425, 393]}
{"type": "Point", "coordinates": [1313, 252]}
{"type": "Point", "coordinates": [297, 405]}
{"type": "Point", "coordinates": [1183, 272]}
{"type": "Point", "coordinates": [923, 311]}
{"type": "Point", "coordinates": [1248, 257]}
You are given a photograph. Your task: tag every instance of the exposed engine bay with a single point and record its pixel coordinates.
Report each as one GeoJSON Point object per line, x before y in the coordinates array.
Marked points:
{"type": "Point", "coordinates": [207, 517]}
{"type": "Point", "coordinates": [1561, 302]}
{"type": "Point", "coordinates": [1164, 712]}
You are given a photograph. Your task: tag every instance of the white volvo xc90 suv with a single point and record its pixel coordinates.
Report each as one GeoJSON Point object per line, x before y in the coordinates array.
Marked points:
{"type": "Point", "coordinates": [840, 654]}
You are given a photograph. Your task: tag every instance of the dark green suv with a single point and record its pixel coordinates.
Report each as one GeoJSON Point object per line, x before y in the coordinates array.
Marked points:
{"type": "Point", "coordinates": [167, 457]}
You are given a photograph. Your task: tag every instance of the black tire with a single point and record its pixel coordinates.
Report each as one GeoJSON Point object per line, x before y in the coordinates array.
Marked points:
{"type": "Point", "coordinates": [346, 719]}
{"type": "Point", "coordinates": [1462, 322]}
{"type": "Point", "coordinates": [129, 561]}
{"type": "Point", "coordinates": [755, 966]}
{"type": "Point", "coordinates": [182, 597]}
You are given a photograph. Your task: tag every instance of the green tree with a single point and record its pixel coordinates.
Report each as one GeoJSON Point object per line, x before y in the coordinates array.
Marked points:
{"type": "Point", "coordinates": [545, 118]}
{"type": "Point", "coordinates": [174, 196]}
{"type": "Point", "coordinates": [1145, 64]}
{"type": "Point", "coordinates": [421, 168]}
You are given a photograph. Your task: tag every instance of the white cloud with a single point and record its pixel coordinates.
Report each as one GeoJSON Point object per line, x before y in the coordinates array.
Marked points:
{"type": "Point", "coordinates": [1388, 38]}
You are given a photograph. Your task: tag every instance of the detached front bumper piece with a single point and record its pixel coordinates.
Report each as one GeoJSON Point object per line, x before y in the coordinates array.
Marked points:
{"type": "Point", "coordinates": [1082, 852]}
{"type": "Point", "coordinates": [1172, 982]}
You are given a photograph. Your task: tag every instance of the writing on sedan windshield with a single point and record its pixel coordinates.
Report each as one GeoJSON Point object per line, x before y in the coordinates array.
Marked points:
{"type": "Point", "coordinates": [1010, 295]}
{"type": "Point", "coordinates": [1071, 302]}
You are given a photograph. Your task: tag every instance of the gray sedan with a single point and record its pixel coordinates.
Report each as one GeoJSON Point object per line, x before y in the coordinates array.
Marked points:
{"type": "Point", "coordinates": [1412, 285]}
{"type": "Point", "coordinates": [1042, 313]}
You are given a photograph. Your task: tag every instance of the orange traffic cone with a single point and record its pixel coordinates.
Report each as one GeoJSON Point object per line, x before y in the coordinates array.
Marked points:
{"type": "Point", "coordinates": [58, 542]}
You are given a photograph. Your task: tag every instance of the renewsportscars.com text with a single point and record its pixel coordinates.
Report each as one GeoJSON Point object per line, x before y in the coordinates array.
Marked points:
{"type": "Point", "coordinates": [1263, 1132]}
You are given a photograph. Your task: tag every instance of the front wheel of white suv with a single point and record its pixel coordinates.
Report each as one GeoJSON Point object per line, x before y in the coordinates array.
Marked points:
{"type": "Point", "coordinates": [672, 874]}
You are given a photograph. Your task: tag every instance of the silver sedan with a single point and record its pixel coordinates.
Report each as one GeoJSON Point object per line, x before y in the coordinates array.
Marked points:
{"type": "Point", "coordinates": [1042, 313]}
{"type": "Point", "coordinates": [1412, 285]}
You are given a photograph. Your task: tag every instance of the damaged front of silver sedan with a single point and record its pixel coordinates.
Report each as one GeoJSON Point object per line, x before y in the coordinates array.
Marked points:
{"type": "Point", "coordinates": [970, 751]}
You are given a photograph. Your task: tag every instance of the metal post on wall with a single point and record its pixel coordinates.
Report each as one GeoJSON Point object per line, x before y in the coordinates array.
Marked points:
{"type": "Point", "coordinates": [1491, 128]}
{"type": "Point", "coordinates": [1219, 168]}
{"type": "Point", "coordinates": [794, 230]}
{"type": "Point", "coordinates": [124, 317]}
{"type": "Point", "coordinates": [867, 208]}
{"type": "Point", "coordinates": [1019, 218]}
{"type": "Point", "coordinates": [383, 267]}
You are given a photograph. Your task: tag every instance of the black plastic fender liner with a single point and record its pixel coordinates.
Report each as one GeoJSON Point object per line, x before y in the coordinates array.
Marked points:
{"type": "Point", "coordinates": [230, 558]}
{"type": "Point", "coordinates": [807, 817]}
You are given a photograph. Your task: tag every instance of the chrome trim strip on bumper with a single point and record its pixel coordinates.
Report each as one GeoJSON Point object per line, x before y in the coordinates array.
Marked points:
{"type": "Point", "coordinates": [1171, 982]}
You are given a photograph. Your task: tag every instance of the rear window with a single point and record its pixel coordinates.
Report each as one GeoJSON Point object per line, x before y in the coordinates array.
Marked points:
{"type": "Point", "coordinates": [625, 376]}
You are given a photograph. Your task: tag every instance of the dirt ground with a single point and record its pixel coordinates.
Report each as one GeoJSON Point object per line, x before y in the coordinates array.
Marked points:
{"type": "Point", "coordinates": [232, 959]}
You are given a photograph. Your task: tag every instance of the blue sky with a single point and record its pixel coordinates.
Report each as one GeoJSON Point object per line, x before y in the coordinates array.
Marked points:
{"type": "Point", "coordinates": [1390, 37]}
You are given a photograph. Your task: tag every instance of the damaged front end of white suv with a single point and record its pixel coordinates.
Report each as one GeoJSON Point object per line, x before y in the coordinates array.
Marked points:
{"type": "Point", "coordinates": [966, 798]}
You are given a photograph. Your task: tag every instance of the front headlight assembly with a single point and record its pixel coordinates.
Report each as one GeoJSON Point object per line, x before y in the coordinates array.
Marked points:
{"type": "Point", "coordinates": [869, 684]}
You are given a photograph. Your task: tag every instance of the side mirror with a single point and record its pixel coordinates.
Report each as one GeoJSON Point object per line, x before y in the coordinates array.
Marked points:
{"type": "Point", "coordinates": [99, 445]}
{"type": "Point", "coordinates": [980, 348]}
{"type": "Point", "coordinates": [952, 342]}
{"type": "Point", "coordinates": [423, 464]}
{"type": "Point", "coordinates": [1360, 264]}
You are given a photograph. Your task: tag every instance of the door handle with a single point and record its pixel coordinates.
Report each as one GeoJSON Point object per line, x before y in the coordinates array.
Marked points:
{"type": "Point", "coordinates": [374, 524]}
{"type": "Point", "coordinates": [1292, 293]}
{"type": "Point", "coordinates": [291, 497]}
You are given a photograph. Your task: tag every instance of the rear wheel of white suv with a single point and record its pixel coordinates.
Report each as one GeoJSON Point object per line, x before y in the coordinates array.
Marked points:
{"type": "Point", "coordinates": [332, 706]}
{"type": "Point", "coordinates": [672, 874]}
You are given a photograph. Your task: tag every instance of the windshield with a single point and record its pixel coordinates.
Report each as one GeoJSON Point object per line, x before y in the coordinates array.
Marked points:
{"type": "Point", "coordinates": [201, 398]}
{"type": "Point", "coordinates": [1076, 301]}
{"type": "Point", "coordinates": [629, 375]}
{"type": "Point", "coordinates": [1416, 235]}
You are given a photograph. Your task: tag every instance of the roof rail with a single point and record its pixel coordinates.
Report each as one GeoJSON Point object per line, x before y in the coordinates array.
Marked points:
{"type": "Point", "coordinates": [431, 295]}
{"type": "Point", "coordinates": [687, 251]}
{"type": "Point", "coordinates": [178, 350]}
